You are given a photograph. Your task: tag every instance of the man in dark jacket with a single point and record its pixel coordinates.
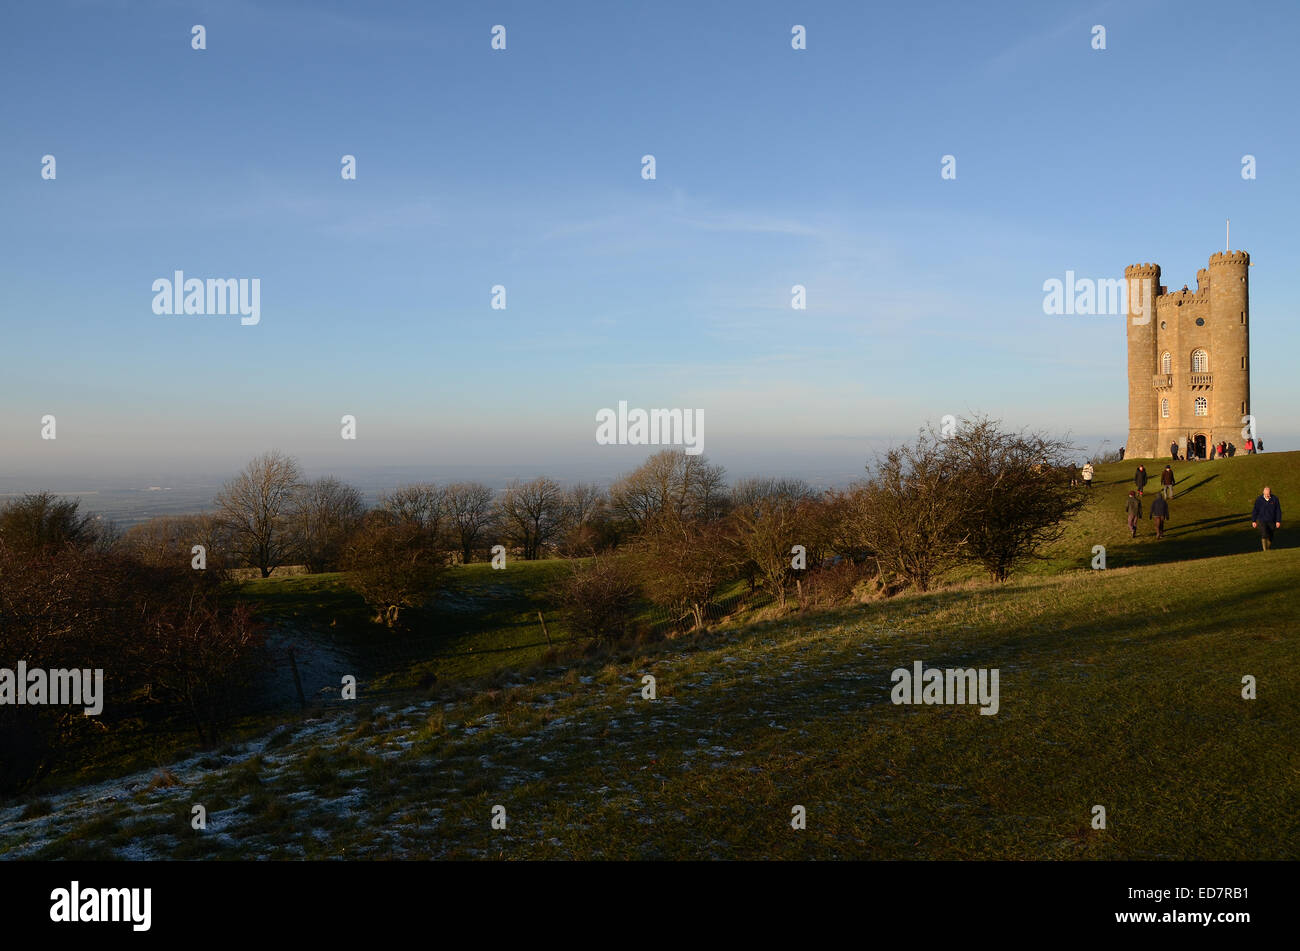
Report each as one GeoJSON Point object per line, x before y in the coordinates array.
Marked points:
{"type": "Point", "coordinates": [1173, 450]}
{"type": "Point", "coordinates": [1266, 516]}
{"type": "Point", "coordinates": [1140, 478]}
{"type": "Point", "coordinates": [1167, 482]}
{"type": "Point", "coordinates": [1159, 512]}
{"type": "Point", "coordinates": [1133, 509]}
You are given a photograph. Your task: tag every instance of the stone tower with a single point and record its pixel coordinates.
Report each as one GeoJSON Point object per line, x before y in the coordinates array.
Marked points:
{"type": "Point", "coordinates": [1188, 357]}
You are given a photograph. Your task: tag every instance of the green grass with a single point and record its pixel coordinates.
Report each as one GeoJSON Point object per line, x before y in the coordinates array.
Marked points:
{"type": "Point", "coordinates": [482, 621]}
{"type": "Point", "coordinates": [1111, 694]}
{"type": "Point", "coordinates": [1209, 513]}
{"type": "Point", "coordinates": [1119, 688]}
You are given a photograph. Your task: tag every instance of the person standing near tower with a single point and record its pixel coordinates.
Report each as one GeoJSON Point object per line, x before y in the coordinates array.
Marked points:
{"type": "Point", "coordinates": [1267, 516]}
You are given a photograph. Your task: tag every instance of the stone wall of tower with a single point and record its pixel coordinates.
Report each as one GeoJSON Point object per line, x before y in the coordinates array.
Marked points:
{"type": "Point", "coordinates": [1142, 282]}
{"type": "Point", "coordinates": [1179, 334]}
{"type": "Point", "coordinates": [1229, 324]}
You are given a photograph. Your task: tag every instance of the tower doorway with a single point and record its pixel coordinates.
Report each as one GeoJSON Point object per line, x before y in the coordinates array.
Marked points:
{"type": "Point", "coordinates": [1198, 443]}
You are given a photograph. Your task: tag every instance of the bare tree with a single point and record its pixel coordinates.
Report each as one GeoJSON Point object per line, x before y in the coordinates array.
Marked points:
{"type": "Point", "coordinates": [469, 515]}
{"type": "Point", "coordinates": [584, 502]}
{"type": "Point", "coordinates": [44, 521]}
{"type": "Point", "coordinates": [767, 516]}
{"type": "Point", "coordinates": [910, 515]}
{"type": "Point", "coordinates": [393, 565]}
{"type": "Point", "coordinates": [423, 504]}
{"type": "Point", "coordinates": [532, 514]}
{"type": "Point", "coordinates": [670, 480]}
{"type": "Point", "coordinates": [170, 636]}
{"type": "Point", "coordinates": [325, 513]}
{"type": "Point", "coordinates": [255, 506]}
{"type": "Point", "coordinates": [682, 564]}
{"type": "Point", "coordinates": [588, 526]}
{"type": "Point", "coordinates": [1015, 489]}
{"type": "Point", "coordinates": [599, 596]}
{"type": "Point", "coordinates": [168, 542]}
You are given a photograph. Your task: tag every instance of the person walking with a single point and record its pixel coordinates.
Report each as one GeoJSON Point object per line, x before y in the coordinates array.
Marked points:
{"type": "Point", "coordinates": [1173, 450]}
{"type": "Point", "coordinates": [1259, 445]}
{"type": "Point", "coordinates": [1250, 447]}
{"type": "Point", "coordinates": [1267, 517]}
{"type": "Point", "coordinates": [1159, 512]}
{"type": "Point", "coordinates": [1167, 482]}
{"type": "Point", "coordinates": [1232, 450]}
{"type": "Point", "coordinates": [1087, 474]}
{"type": "Point", "coordinates": [1140, 478]}
{"type": "Point", "coordinates": [1133, 508]}
{"type": "Point", "coordinates": [1121, 453]}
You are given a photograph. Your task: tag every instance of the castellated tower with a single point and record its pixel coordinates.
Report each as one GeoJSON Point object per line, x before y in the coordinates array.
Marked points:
{"type": "Point", "coordinates": [1188, 358]}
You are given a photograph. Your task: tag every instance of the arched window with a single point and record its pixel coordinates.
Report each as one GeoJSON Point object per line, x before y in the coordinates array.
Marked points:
{"type": "Point", "coordinates": [1166, 363]}
{"type": "Point", "coordinates": [1202, 408]}
{"type": "Point", "coordinates": [1164, 408]}
{"type": "Point", "coordinates": [1200, 361]}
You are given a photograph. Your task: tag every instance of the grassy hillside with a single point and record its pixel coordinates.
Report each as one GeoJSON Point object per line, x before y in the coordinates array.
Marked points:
{"type": "Point", "coordinates": [1209, 513]}
{"type": "Point", "coordinates": [482, 620]}
{"type": "Point", "coordinates": [1108, 696]}
{"type": "Point", "coordinates": [1120, 688]}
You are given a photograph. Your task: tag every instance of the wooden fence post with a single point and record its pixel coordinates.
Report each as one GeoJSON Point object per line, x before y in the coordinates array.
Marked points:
{"type": "Point", "coordinates": [544, 631]}
{"type": "Point", "coordinates": [297, 681]}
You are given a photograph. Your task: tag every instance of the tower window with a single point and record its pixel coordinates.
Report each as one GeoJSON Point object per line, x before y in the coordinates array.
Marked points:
{"type": "Point", "coordinates": [1164, 408]}
{"type": "Point", "coordinates": [1166, 362]}
{"type": "Point", "coordinates": [1202, 408]}
{"type": "Point", "coordinates": [1200, 361]}
{"type": "Point", "coordinates": [1243, 316]}
{"type": "Point", "coordinates": [1200, 321]}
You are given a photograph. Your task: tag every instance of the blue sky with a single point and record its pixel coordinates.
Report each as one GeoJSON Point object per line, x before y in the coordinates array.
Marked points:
{"type": "Point", "coordinates": [522, 167]}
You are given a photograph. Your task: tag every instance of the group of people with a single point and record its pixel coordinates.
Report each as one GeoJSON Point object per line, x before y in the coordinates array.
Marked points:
{"type": "Point", "coordinates": [1159, 507]}
{"type": "Point", "coordinates": [1266, 515]}
{"type": "Point", "coordinates": [1217, 450]}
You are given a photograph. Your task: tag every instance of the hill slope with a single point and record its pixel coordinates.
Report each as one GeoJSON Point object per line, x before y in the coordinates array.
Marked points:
{"type": "Point", "coordinates": [1209, 513]}
{"type": "Point", "coordinates": [1119, 688]}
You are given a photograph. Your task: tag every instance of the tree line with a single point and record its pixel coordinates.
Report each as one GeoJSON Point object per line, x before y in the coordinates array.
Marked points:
{"type": "Point", "coordinates": [673, 532]}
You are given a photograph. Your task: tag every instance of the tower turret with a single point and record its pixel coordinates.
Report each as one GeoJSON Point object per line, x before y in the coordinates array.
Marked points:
{"type": "Point", "coordinates": [1142, 282]}
{"type": "Point", "coordinates": [1229, 328]}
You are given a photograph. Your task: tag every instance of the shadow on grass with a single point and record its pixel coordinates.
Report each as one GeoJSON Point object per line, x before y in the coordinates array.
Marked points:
{"type": "Point", "coordinates": [1194, 487]}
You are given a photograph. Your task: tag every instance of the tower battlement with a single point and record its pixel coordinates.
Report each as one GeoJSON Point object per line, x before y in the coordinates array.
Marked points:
{"type": "Point", "coordinates": [1142, 270]}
